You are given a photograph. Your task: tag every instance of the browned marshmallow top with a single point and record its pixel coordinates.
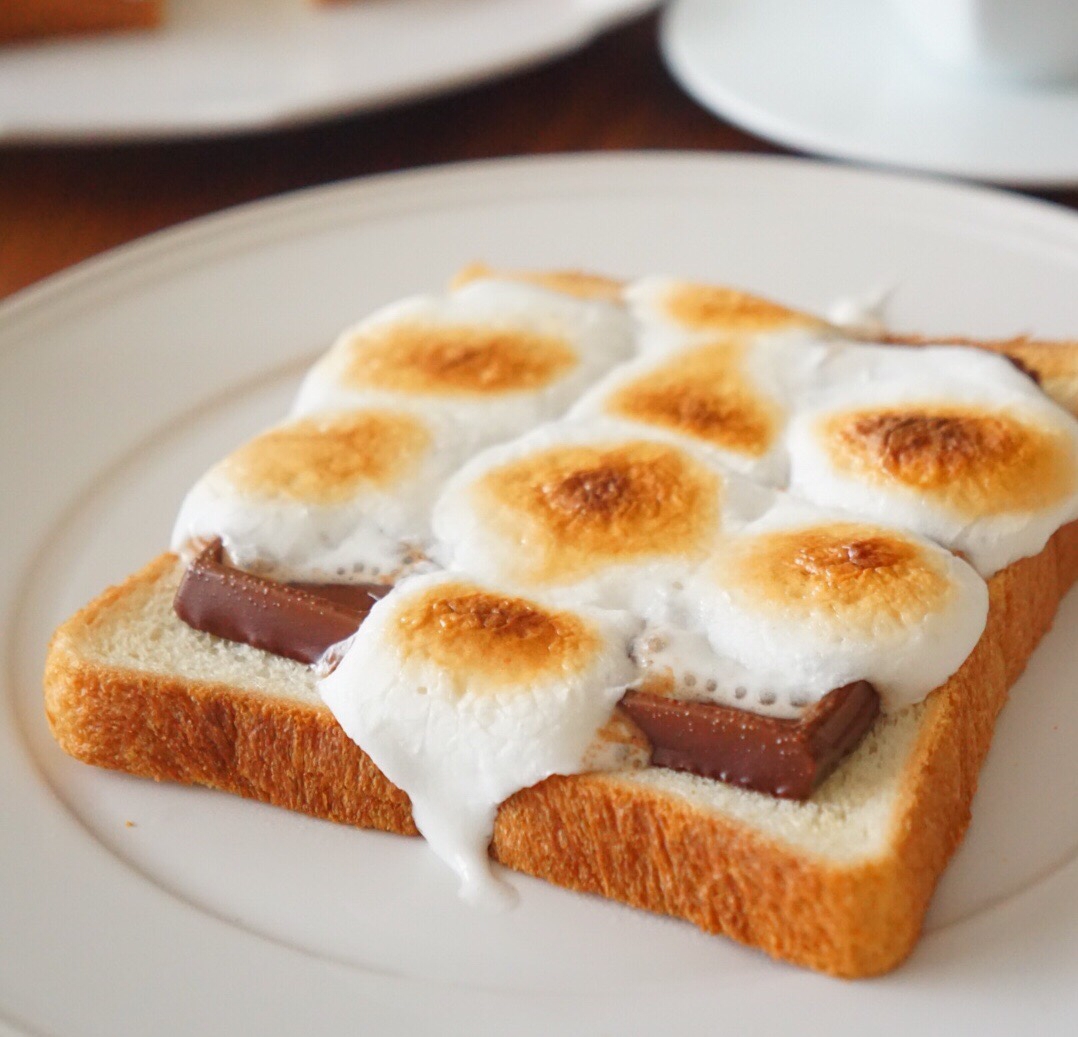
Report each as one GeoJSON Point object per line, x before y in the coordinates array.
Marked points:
{"type": "Point", "coordinates": [976, 461]}
{"type": "Point", "coordinates": [704, 393]}
{"type": "Point", "coordinates": [699, 307]}
{"type": "Point", "coordinates": [492, 641]}
{"type": "Point", "coordinates": [325, 459]}
{"type": "Point", "coordinates": [855, 575]}
{"type": "Point", "coordinates": [451, 359]}
{"type": "Point", "coordinates": [578, 507]}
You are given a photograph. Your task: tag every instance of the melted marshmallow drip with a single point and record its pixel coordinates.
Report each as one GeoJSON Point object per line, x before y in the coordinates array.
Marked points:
{"type": "Point", "coordinates": [459, 751]}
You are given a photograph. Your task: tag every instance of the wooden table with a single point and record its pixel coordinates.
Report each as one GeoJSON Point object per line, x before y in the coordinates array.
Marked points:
{"type": "Point", "coordinates": [61, 205]}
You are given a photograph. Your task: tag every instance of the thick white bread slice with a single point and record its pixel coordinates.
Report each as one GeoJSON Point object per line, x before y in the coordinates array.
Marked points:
{"type": "Point", "coordinates": [840, 883]}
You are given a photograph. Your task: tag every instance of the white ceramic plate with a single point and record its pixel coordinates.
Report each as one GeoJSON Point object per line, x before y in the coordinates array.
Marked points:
{"type": "Point", "coordinates": [839, 77]}
{"type": "Point", "coordinates": [123, 379]}
{"type": "Point", "coordinates": [220, 66]}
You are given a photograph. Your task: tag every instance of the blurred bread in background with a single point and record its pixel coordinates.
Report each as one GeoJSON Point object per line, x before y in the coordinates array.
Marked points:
{"type": "Point", "coordinates": [32, 19]}
{"type": "Point", "coordinates": [27, 19]}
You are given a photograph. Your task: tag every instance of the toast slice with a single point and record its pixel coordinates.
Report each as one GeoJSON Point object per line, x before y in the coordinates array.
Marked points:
{"type": "Point", "coordinates": [840, 882]}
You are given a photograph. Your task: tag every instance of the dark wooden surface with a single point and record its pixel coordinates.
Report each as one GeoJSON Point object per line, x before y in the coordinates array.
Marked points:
{"type": "Point", "coordinates": [61, 205]}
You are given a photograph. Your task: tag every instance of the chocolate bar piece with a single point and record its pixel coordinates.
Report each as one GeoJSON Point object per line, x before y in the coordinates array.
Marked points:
{"type": "Point", "coordinates": [298, 621]}
{"type": "Point", "coordinates": [787, 758]}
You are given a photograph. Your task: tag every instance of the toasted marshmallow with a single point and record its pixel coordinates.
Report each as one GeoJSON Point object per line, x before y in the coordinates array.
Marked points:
{"type": "Point", "coordinates": [671, 312]}
{"type": "Point", "coordinates": [463, 695]}
{"type": "Point", "coordinates": [954, 443]}
{"type": "Point", "coordinates": [730, 395]}
{"type": "Point", "coordinates": [577, 283]}
{"type": "Point", "coordinates": [803, 601]}
{"type": "Point", "coordinates": [607, 513]}
{"type": "Point", "coordinates": [495, 356]}
{"type": "Point", "coordinates": [340, 497]}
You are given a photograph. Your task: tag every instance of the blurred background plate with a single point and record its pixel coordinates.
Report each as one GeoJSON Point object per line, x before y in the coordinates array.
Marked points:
{"type": "Point", "coordinates": [840, 78]}
{"type": "Point", "coordinates": [223, 66]}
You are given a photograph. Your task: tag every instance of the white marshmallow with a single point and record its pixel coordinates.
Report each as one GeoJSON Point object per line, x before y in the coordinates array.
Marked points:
{"type": "Point", "coordinates": [803, 601]}
{"type": "Point", "coordinates": [728, 395]}
{"type": "Point", "coordinates": [499, 357]}
{"type": "Point", "coordinates": [954, 443]}
{"type": "Point", "coordinates": [598, 512]}
{"type": "Point", "coordinates": [670, 313]}
{"type": "Point", "coordinates": [275, 518]}
{"type": "Point", "coordinates": [463, 695]}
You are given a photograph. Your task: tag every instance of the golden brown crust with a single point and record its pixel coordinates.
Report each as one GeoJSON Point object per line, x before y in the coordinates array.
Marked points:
{"type": "Point", "coordinates": [593, 833]}
{"type": "Point", "coordinates": [290, 754]}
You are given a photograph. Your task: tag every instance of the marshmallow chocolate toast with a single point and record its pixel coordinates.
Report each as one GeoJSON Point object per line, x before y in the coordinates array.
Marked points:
{"type": "Point", "coordinates": [657, 591]}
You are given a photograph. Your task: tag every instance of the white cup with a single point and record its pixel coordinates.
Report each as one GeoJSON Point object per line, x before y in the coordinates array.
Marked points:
{"type": "Point", "coordinates": [1028, 40]}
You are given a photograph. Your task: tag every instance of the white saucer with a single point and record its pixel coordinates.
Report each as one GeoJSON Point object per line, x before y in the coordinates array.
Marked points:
{"type": "Point", "coordinates": [839, 77]}
{"type": "Point", "coordinates": [224, 66]}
